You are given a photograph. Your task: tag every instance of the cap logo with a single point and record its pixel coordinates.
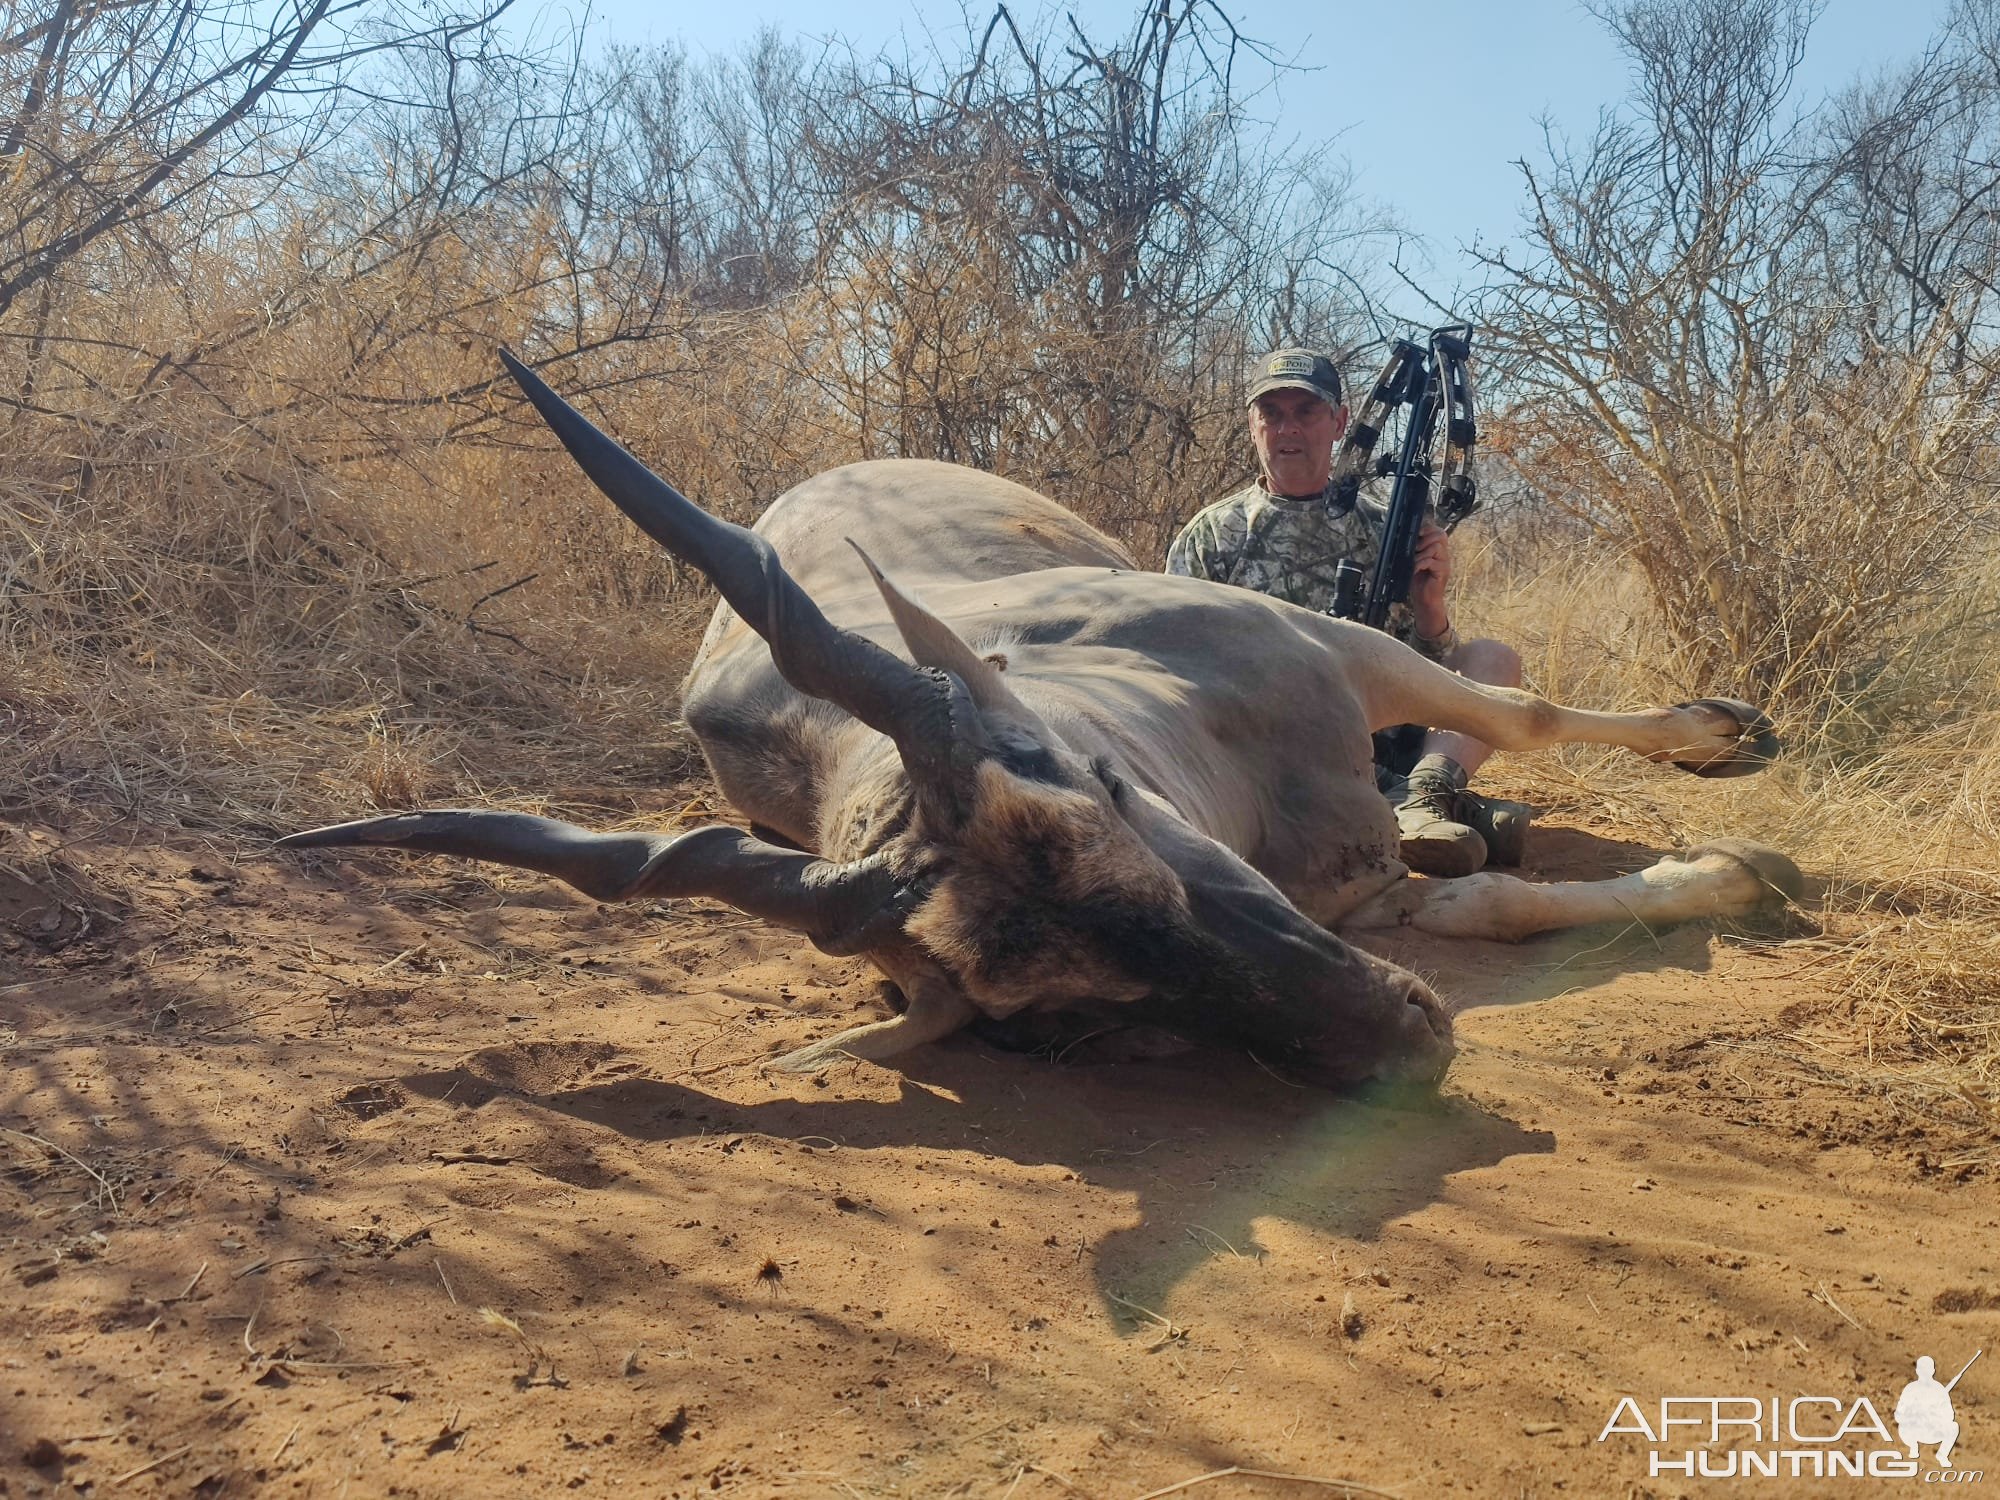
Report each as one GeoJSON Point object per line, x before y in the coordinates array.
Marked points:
{"type": "Point", "coordinates": [1292, 364]}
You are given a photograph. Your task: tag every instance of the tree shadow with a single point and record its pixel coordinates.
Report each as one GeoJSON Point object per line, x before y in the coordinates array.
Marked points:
{"type": "Point", "coordinates": [1206, 1145]}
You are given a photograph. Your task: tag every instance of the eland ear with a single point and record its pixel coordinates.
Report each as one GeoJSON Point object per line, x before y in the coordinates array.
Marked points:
{"type": "Point", "coordinates": [933, 643]}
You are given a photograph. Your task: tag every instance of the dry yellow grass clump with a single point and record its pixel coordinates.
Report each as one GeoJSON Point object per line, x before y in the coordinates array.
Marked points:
{"type": "Point", "coordinates": [198, 633]}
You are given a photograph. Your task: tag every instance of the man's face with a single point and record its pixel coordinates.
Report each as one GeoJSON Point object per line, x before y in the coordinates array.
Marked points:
{"type": "Point", "coordinates": [1295, 432]}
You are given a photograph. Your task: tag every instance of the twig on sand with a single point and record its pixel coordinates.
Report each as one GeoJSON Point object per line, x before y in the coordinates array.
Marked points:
{"type": "Point", "coordinates": [103, 1183]}
{"type": "Point", "coordinates": [1204, 1229]}
{"type": "Point", "coordinates": [249, 1348]}
{"type": "Point", "coordinates": [1823, 1295]}
{"type": "Point", "coordinates": [438, 1266]}
{"type": "Point", "coordinates": [538, 1357]}
{"type": "Point", "coordinates": [264, 1265]}
{"type": "Point", "coordinates": [1345, 1486]}
{"type": "Point", "coordinates": [164, 1458]}
{"type": "Point", "coordinates": [279, 1451]}
{"type": "Point", "coordinates": [193, 1282]}
{"type": "Point", "coordinates": [285, 1362]}
{"type": "Point", "coordinates": [29, 984]}
{"type": "Point", "coordinates": [1169, 1329]}
{"type": "Point", "coordinates": [385, 968]}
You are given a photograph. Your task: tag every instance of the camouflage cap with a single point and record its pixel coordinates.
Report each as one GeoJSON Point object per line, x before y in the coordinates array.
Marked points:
{"type": "Point", "coordinates": [1298, 370]}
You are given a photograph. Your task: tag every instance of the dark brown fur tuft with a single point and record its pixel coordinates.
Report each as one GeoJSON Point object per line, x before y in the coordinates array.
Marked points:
{"type": "Point", "coordinates": [1049, 898]}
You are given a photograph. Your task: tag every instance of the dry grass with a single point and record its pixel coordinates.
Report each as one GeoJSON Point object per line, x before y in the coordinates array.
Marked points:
{"type": "Point", "coordinates": [200, 631]}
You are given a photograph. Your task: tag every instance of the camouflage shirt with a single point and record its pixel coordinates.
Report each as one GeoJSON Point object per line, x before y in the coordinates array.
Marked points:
{"type": "Point", "coordinates": [1288, 549]}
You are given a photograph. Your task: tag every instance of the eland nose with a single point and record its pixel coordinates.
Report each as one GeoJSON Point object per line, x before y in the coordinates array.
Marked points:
{"type": "Point", "coordinates": [1425, 1047]}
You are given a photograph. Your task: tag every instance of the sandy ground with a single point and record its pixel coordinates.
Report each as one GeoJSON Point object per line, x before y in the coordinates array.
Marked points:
{"type": "Point", "coordinates": [371, 1178]}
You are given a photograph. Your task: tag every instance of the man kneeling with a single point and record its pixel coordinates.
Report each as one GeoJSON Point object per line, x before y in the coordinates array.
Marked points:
{"type": "Point", "coordinates": [1285, 534]}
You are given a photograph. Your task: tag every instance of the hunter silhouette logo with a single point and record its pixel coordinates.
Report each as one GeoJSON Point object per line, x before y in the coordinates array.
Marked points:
{"type": "Point", "coordinates": [1801, 1436]}
{"type": "Point", "coordinates": [1923, 1411]}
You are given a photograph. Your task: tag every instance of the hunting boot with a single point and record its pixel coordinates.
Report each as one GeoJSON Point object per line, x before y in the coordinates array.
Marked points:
{"type": "Point", "coordinates": [1503, 824]}
{"type": "Point", "coordinates": [1435, 842]}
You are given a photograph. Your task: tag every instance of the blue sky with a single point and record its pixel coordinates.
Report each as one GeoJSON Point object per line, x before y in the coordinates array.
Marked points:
{"type": "Point", "coordinates": [1430, 102]}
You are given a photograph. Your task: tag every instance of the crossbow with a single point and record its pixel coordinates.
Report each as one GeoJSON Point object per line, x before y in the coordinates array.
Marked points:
{"type": "Point", "coordinates": [1435, 382]}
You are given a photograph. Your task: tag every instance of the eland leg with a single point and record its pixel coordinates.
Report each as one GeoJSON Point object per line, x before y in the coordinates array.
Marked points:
{"type": "Point", "coordinates": [1727, 878]}
{"type": "Point", "coordinates": [1708, 737]}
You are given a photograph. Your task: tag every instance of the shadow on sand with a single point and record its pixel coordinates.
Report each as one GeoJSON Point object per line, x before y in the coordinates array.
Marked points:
{"type": "Point", "coordinates": [1205, 1145]}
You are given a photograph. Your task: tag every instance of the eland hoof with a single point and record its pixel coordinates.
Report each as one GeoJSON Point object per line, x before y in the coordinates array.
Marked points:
{"type": "Point", "coordinates": [1778, 875]}
{"type": "Point", "coordinates": [1756, 742]}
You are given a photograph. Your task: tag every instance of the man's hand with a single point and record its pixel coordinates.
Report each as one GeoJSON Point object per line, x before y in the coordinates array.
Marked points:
{"type": "Point", "coordinates": [1427, 582]}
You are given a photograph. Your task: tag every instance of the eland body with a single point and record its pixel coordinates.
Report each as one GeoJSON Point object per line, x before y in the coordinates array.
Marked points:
{"type": "Point", "coordinates": [1023, 775]}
